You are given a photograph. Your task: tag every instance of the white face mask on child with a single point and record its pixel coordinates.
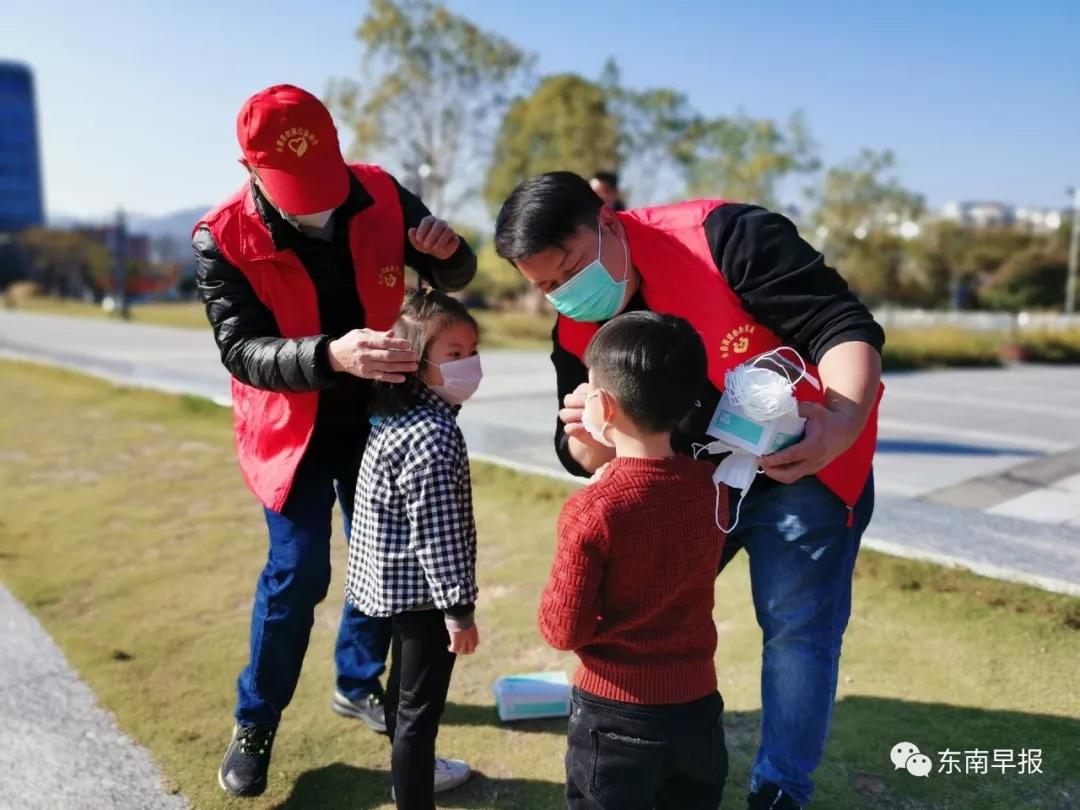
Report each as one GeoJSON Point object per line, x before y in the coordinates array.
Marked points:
{"type": "Point", "coordinates": [461, 378]}
{"type": "Point", "coordinates": [590, 427]}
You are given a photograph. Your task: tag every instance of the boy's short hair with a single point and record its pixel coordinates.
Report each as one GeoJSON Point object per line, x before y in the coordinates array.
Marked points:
{"type": "Point", "coordinates": [653, 365]}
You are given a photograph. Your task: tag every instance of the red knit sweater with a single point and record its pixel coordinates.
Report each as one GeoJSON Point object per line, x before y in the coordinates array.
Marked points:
{"type": "Point", "coordinates": [631, 589]}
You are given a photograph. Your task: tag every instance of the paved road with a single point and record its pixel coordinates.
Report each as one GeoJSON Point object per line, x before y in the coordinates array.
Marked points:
{"type": "Point", "coordinates": [57, 748]}
{"type": "Point", "coordinates": [979, 467]}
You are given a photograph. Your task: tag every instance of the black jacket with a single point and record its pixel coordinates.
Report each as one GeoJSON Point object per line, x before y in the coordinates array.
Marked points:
{"type": "Point", "coordinates": [247, 335]}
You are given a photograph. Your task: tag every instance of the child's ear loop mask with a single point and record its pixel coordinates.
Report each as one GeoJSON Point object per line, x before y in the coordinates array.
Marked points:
{"type": "Point", "coordinates": [590, 427]}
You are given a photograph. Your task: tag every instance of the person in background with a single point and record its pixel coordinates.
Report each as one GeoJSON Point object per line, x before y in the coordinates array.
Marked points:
{"type": "Point", "coordinates": [606, 186]}
{"type": "Point", "coordinates": [302, 275]}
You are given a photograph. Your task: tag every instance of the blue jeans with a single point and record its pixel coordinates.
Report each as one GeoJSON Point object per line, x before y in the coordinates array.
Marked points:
{"type": "Point", "coordinates": [802, 555]}
{"type": "Point", "coordinates": [295, 579]}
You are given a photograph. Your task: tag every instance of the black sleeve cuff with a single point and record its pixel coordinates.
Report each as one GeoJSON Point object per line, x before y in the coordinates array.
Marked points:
{"type": "Point", "coordinates": [562, 450]}
{"type": "Point", "coordinates": [324, 376]}
{"type": "Point", "coordinates": [457, 611]}
{"type": "Point", "coordinates": [460, 617]}
{"type": "Point", "coordinates": [457, 271]}
{"type": "Point", "coordinates": [873, 335]}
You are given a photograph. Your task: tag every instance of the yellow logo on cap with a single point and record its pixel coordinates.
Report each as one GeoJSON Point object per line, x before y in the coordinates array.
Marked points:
{"type": "Point", "coordinates": [298, 140]}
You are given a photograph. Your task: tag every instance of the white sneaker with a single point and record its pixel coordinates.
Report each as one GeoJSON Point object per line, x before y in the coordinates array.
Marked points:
{"type": "Point", "coordinates": [449, 774]}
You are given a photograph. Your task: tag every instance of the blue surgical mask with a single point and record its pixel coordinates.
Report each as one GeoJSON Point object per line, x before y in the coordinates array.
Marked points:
{"type": "Point", "coordinates": [593, 294]}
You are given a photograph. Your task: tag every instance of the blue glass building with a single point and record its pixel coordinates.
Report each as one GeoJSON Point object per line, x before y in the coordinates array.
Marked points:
{"type": "Point", "coordinates": [21, 203]}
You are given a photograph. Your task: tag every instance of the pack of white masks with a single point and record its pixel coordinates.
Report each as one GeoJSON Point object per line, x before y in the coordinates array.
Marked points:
{"type": "Point", "coordinates": [758, 413]}
{"type": "Point", "coordinates": [528, 697]}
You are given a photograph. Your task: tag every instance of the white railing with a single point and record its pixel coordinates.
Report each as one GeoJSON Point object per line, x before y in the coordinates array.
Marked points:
{"type": "Point", "coordinates": [893, 318]}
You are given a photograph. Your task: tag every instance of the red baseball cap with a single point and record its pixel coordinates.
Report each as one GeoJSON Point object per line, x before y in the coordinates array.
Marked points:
{"type": "Point", "coordinates": [289, 138]}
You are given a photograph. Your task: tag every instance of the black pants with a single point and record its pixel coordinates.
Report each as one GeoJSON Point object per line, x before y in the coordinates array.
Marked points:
{"type": "Point", "coordinates": [415, 698]}
{"type": "Point", "coordinates": [623, 756]}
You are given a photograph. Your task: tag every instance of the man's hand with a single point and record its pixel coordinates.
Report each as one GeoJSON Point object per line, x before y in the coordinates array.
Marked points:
{"type": "Point", "coordinates": [850, 373]}
{"type": "Point", "coordinates": [572, 411]}
{"type": "Point", "coordinates": [434, 237]}
{"type": "Point", "coordinates": [827, 435]}
{"type": "Point", "coordinates": [373, 355]}
{"type": "Point", "coordinates": [464, 642]}
{"type": "Point", "coordinates": [589, 453]}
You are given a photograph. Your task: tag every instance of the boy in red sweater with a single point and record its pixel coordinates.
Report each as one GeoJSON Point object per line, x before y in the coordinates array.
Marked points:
{"type": "Point", "coordinates": [631, 589]}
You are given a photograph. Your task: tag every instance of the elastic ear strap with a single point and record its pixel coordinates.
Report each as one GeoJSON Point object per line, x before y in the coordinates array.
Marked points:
{"type": "Point", "coordinates": [778, 351]}
{"type": "Point", "coordinates": [738, 506]}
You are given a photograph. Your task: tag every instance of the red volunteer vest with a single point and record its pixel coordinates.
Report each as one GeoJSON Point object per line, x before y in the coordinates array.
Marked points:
{"type": "Point", "coordinates": [273, 428]}
{"type": "Point", "coordinates": [679, 276]}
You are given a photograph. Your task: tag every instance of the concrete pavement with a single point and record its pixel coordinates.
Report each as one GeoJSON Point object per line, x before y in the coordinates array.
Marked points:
{"type": "Point", "coordinates": [57, 747]}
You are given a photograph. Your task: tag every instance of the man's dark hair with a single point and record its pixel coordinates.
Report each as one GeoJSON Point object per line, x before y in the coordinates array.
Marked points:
{"type": "Point", "coordinates": [544, 212]}
{"type": "Point", "coordinates": [608, 179]}
{"type": "Point", "coordinates": [424, 314]}
{"type": "Point", "coordinates": [653, 365]}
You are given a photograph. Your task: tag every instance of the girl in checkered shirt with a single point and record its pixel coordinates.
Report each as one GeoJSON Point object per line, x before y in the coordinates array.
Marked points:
{"type": "Point", "coordinates": [413, 551]}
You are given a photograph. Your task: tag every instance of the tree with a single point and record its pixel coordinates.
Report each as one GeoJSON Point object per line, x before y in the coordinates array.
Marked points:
{"type": "Point", "coordinates": [564, 125]}
{"type": "Point", "coordinates": [435, 88]}
{"type": "Point", "coordinates": [1033, 278]}
{"type": "Point", "coordinates": [858, 198]}
{"type": "Point", "coordinates": [497, 282]}
{"type": "Point", "coordinates": [860, 209]}
{"type": "Point", "coordinates": [743, 158]}
{"type": "Point", "coordinates": [654, 135]}
{"type": "Point", "coordinates": [66, 263]}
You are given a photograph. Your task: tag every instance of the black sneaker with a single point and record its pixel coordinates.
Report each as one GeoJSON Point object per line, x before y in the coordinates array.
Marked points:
{"type": "Point", "coordinates": [770, 797]}
{"type": "Point", "coordinates": [243, 771]}
{"type": "Point", "coordinates": [368, 710]}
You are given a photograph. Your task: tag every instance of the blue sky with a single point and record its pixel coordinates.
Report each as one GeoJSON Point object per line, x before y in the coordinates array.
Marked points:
{"type": "Point", "coordinates": [979, 100]}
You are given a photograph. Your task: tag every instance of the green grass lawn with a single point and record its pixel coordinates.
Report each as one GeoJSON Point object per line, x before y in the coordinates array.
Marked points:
{"type": "Point", "coordinates": [184, 314]}
{"type": "Point", "coordinates": [126, 529]}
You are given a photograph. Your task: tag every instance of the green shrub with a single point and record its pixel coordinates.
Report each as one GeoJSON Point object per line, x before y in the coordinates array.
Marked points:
{"type": "Point", "coordinates": [514, 330]}
{"type": "Point", "coordinates": [496, 279]}
{"type": "Point", "coordinates": [941, 348]}
{"type": "Point", "coordinates": [1032, 278]}
{"type": "Point", "coordinates": [1050, 347]}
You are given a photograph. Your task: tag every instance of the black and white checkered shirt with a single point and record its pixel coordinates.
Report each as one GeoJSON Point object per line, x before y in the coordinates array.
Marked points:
{"type": "Point", "coordinates": [413, 534]}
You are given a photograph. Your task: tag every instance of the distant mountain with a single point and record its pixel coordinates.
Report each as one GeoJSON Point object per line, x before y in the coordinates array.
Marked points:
{"type": "Point", "coordinates": [64, 221]}
{"type": "Point", "coordinates": [177, 224]}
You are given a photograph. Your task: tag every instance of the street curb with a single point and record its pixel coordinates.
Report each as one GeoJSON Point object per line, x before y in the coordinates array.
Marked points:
{"type": "Point", "coordinates": [983, 569]}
